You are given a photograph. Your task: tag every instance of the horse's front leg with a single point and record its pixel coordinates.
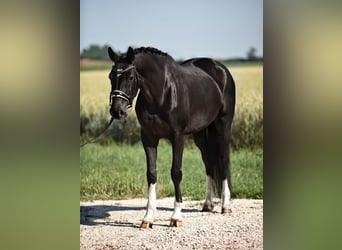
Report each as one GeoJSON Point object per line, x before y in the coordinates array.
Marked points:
{"type": "Point", "coordinates": [176, 174]}
{"type": "Point", "coordinates": [150, 147]}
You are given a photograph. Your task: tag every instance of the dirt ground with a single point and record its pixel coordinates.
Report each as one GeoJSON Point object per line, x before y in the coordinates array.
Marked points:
{"type": "Point", "coordinates": [115, 224]}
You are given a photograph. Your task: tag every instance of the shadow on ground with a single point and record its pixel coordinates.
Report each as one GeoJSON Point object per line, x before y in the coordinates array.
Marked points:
{"type": "Point", "coordinates": [96, 215]}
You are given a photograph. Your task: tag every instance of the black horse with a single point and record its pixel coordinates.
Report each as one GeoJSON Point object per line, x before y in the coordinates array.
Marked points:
{"type": "Point", "coordinates": [195, 97]}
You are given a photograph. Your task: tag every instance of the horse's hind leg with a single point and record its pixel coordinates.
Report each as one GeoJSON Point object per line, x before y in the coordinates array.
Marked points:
{"type": "Point", "coordinates": [223, 126]}
{"type": "Point", "coordinates": [150, 146]}
{"type": "Point", "coordinates": [201, 140]}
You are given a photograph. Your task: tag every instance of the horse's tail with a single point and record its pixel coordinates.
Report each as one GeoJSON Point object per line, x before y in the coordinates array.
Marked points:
{"type": "Point", "coordinates": [214, 158]}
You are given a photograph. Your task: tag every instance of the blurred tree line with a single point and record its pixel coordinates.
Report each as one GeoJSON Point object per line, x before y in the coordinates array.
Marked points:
{"type": "Point", "coordinates": [251, 56]}
{"type": "Point", "coordinates": [97, 52]}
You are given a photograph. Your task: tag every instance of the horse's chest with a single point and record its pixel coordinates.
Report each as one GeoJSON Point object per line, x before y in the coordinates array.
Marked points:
{"type": "Point", "coordinates": [154, 124]}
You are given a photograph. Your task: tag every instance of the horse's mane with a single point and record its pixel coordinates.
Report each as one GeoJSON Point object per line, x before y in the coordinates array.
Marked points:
{"type": "Point", "coordinates": [149, 50]}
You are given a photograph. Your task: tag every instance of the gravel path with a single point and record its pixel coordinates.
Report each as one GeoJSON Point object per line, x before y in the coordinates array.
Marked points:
{"type": "Point", "coordinates": [115, 225]}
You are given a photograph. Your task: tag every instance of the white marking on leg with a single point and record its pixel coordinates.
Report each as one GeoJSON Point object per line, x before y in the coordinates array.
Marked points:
{"type": "Point", "coordinates": [151, 203]}
{"type": "Point", "coordinates": [177, 213]}
{"type": "Point", "coordinates": [225, 196]}
{"type": "Point", "coordinates": [209, 197]}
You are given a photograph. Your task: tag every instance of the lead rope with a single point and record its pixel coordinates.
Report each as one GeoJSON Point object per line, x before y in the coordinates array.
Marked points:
{"type": "Point", "coordinates": [97, 138]}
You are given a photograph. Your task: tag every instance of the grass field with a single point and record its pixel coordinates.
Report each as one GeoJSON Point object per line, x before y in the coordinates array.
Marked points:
{"type": "Point", "coordinates": [119, 171]}
{"type": "Point", "coordinates": [114, 171]}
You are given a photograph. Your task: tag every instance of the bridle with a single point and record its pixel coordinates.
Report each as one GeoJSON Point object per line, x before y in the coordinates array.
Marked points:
{"type": "Point", "coordinates": [118, 93]}
{"type": "Point", "coordinates": [122, 95]}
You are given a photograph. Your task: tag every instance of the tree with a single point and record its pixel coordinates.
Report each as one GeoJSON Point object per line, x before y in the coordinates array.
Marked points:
{"type": "Point", "coordinates": [251, 54]}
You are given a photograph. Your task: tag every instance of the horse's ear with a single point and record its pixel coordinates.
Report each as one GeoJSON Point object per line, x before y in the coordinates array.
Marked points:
{"type": "Point", "coordinates": [112, 55]}
{"type": "Point", "coordinates": [130, 54]}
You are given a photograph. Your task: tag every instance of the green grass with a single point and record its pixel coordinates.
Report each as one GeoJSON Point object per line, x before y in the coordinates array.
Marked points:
{"type": "Point", "coordinates": [119, 171]}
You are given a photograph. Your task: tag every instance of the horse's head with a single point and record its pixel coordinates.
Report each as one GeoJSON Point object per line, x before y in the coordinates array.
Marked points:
{"type": "Point", "coordinates": [124, 81]}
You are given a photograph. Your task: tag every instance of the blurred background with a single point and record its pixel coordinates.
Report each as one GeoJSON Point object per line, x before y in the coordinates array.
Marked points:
{"type": "Point", "coordinates": [40, 132]}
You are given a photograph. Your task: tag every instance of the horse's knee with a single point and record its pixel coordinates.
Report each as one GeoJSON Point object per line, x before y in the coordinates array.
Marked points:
{"type": "Point", "coordinates": [176, 175]}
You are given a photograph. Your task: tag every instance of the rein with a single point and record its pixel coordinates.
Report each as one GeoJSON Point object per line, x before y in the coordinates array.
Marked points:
{"type": "Point", "coordinates": [97, 138]}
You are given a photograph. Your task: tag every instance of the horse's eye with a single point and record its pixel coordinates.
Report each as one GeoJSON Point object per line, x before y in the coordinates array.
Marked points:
{"type": "Point", "coordinates": [131, 78]}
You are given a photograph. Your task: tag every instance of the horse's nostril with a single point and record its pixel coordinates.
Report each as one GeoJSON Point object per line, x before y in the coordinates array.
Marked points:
{"type": "Point", "coordinates": [122, 113]}
{"type": "Point", "coordinates": [118, 114]}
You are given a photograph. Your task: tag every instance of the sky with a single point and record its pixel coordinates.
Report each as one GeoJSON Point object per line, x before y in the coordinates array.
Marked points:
{"type": "Point", "coordinates": [182, 28]}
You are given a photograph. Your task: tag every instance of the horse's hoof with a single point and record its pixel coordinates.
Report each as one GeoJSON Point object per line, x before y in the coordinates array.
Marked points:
{"type": "Point", "coordinates": [176, 223]}
{"type": "Point", "coordinates": [226, 210]}
{"type": "Point", "coordinates": [207, 208]}
{"type": "Point", "coordinates": [146, 224]}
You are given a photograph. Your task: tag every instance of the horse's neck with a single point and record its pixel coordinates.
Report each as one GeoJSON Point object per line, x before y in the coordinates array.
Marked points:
{"type": "Point", "coordinates": [151, 90]}
{"type": "Point", "coordinates": [152, 64]}
{"type": "Point", "coordinates": [152, 72]}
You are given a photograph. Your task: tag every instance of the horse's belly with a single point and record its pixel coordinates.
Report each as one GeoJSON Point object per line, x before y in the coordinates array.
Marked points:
{"type": "Point", "coordinates": [199, 122]}
{"type": "Point", "coordinates": [203, 112]}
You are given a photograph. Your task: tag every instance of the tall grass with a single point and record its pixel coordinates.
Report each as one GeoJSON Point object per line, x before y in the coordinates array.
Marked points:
{"type": "Point", "coordinates": [247, 129]}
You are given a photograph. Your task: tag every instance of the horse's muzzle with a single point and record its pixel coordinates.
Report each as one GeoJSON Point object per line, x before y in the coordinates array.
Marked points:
{"type": "Point", "coordinates": [118, 113]}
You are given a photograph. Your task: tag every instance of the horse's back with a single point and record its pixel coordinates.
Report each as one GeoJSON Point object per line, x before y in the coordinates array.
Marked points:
{"type": "Point", "coordinates": [221, 76]}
